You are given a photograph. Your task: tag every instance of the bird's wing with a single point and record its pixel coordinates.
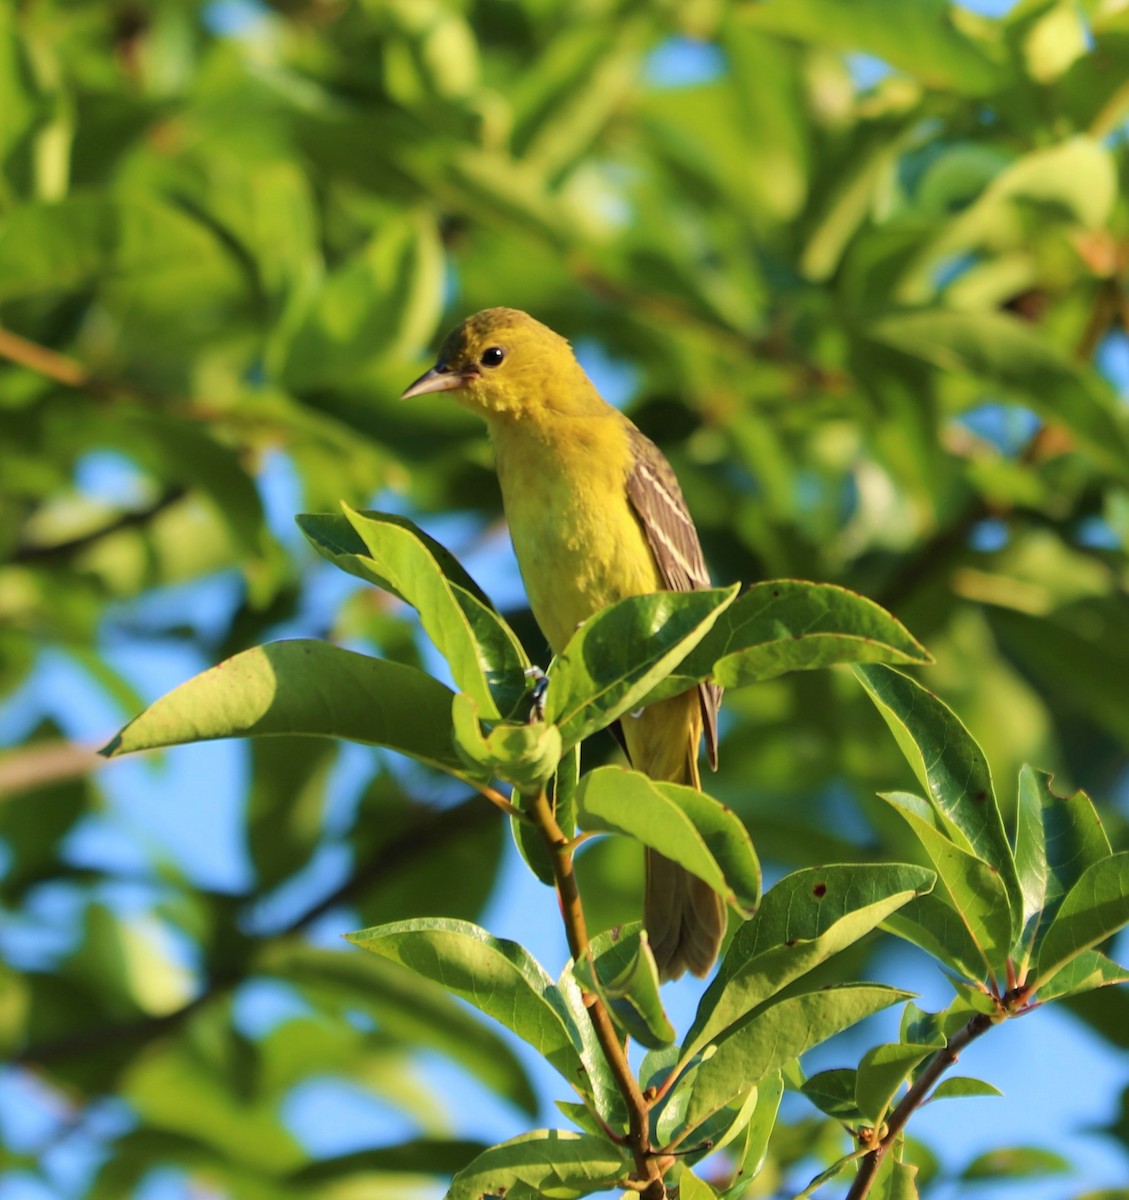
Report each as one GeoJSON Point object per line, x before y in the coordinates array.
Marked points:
{"type": "Point", "coordinates": [653, 491]}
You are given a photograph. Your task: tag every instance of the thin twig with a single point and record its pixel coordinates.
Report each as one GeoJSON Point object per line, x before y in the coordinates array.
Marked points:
{"type": "Point", "coordinates": [647, 1167]}
{"type": "Point", "coordinates": [42, 361]}
{"type": "Point", "coordinates": [978, 1025]}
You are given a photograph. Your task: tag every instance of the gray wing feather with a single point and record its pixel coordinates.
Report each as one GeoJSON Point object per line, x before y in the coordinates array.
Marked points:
{"type": "Point", "coordinates": [653, 491]}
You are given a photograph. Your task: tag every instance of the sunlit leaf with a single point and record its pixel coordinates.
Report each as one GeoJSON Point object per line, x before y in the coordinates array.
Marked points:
{"type": "Point", "coordinates": [775, 1036]}
{"type": "Point", "coordinates": [681, 823]}
{"type": "Point", "coordinates": [803, 920]}
{"type": "Point", "coordinates": [618, 656]}
{"type": "Point", "coordinates": [308, 688]}
{"type": "Point", "coordinates": [546, 1161]}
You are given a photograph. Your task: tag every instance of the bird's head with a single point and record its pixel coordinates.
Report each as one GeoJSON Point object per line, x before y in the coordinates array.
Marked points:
{"type": "Point", "coordinates": [501, 362]}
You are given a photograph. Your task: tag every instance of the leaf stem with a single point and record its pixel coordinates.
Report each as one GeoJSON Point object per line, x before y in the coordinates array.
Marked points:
{"type": "Point", "coordinates": [978, 1025]}
{"type": "Point", "coordinates": [648, 1170]}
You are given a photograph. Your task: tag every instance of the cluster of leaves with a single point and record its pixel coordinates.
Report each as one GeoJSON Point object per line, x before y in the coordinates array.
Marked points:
{"type": "Point", "coordinates": [1029, 914]}
{"type": "Point", "coordinates": [869, 306]}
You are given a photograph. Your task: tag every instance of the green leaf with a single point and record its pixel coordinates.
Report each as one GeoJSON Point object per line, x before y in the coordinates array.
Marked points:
{"type": "Point", "coordinates": [1057, 838]}
{"type": "Point", "coordinates": [1084, 972]}
{"type": "Point", "coordinates": [690, 1187]}
{"type": "Point", "coordinates": [789, 625]}
{"type": "Point", "coordinates": [621, 970]}
{"type": "Point", "coordinates": [333, 536]}
{"type": "Point", "coordinates": [523, 755]}
{"type": "Point", "coordinates": [1016, 1162]}
{"type": "Point", "coordinates": [286, 804]}
{"type": "Point", "coordinates": [804, 919]}
{"type": "Point", "coordinates": [1095, 908]}
{"type": "Point", "coordinates": [696, 1141]}
{"type": "Point", "coordinates": [616, 658]}
{"type": "Point", "coordinates": [498, 977]}
{"type": "Point", "coordinates": [681, 823]}
{"type": "Point", "coordinates": [951, 766]}
{"type": "Point", "coordinates": [921, 39]}
{"type": "Point", "coordinates": [309, 688]}
{"type": "Point", "coordinates": [415, 1011]}
{"type": "Point", "coordinates": [833, 1093]}
{"type": "Point", "coordinates": [1070, 183]}
{"type": "Point", "coordinates": [973, 888]}
{"type": "Point", "coordinates": [1010, 356]}
{"type": "Point", "coordinates": [420, 1156]}
{"type": "Point", "coordinates": [881, 1072]}
{"type": "Point", "coordinates": [774, 1036]}
{"type": "Point", "coordinates": [901, 1182]}
{"type": "Point", "coordinates": [546, 1162]}
{"type": "Point", "coordinates": [750, 1149]}
{"type": "Point", "coordinates": [176, 450]}
{"type": "Point", "coordinates": [956, 1087]}
{"type": "Point", "coordinates": [485, 657]}
{"type": "Point", "coordinates": [933, 924]}
{"type": "Point", "coordinates": [72, 244]}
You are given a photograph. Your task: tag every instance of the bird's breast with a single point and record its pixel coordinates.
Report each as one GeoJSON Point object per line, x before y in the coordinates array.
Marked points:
{"type": "Point", "coordinates": [578, 542]}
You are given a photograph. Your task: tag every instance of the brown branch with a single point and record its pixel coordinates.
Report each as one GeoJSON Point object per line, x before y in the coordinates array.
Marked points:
{"type": "Point", "coordinates": [41, 763]}
{"type": "Point", "coordinates": [647, 1168]}
{"type": "Point", "coordinates": [913, 1099]}
{"type": "Point", "coordinates": [42, 361]}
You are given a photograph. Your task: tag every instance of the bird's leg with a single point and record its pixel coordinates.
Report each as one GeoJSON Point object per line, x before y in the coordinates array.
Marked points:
{"type": "Point", "coordinates": [537, 695]}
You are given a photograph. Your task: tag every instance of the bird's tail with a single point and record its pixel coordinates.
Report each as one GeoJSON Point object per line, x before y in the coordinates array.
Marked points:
{"type": "Point", "coordinates": [684, 917]}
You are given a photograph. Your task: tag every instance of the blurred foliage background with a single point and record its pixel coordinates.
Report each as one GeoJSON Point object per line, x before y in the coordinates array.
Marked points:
{"type": "Point", "coordinates": [860, 269]}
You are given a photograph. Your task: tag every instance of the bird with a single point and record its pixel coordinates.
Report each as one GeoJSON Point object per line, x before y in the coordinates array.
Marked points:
{"type": "Point", "coordinates": [595, 514]}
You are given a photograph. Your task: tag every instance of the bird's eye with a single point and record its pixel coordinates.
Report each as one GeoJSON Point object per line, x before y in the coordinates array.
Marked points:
{"type": "Point", "coordinates": [492, 356]}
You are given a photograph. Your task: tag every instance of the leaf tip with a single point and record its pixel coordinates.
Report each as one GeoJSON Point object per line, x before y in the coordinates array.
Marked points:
{"type": "Point", "coordinates": [111, 747]}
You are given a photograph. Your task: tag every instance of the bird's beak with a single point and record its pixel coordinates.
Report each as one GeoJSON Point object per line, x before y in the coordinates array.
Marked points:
{"type": "Point", "coordinates": [439, 379]}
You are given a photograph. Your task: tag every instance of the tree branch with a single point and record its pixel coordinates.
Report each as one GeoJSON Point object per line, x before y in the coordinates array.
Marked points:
{"type": "Point", "coordinates": [913, 1099]}
{"type": "Point", "coordinates": [67, 371]}
{"type": "Point", "coordinates": [647, 1168]}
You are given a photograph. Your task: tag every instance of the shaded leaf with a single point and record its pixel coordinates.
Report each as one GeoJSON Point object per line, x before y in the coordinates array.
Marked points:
{"type": "Point", "coordinates": [954, 1087]}
{"type": "Point", "coordinates": [951, 766]}
{"type": "Point", "coordinates": [973, 889]}
{"type": "Point", "coordinates": [833, 1093]}
{"type": "Point", "coordinates": [1010, 356]}
{"type": "Point", "coordinates": [500, 978]}
{"type": "Point", "coordinates": [1057, 838]}
{"type": "Point", "coordinates": [749, 1149]}
{"type": "Point", "coordinates": [1016, 1162]}
{"type": "Point", "coordinates": [1095, 908]}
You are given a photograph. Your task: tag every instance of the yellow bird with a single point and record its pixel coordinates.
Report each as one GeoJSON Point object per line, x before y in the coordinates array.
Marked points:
{"type": "Point", "coordinates": [596, 515]}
